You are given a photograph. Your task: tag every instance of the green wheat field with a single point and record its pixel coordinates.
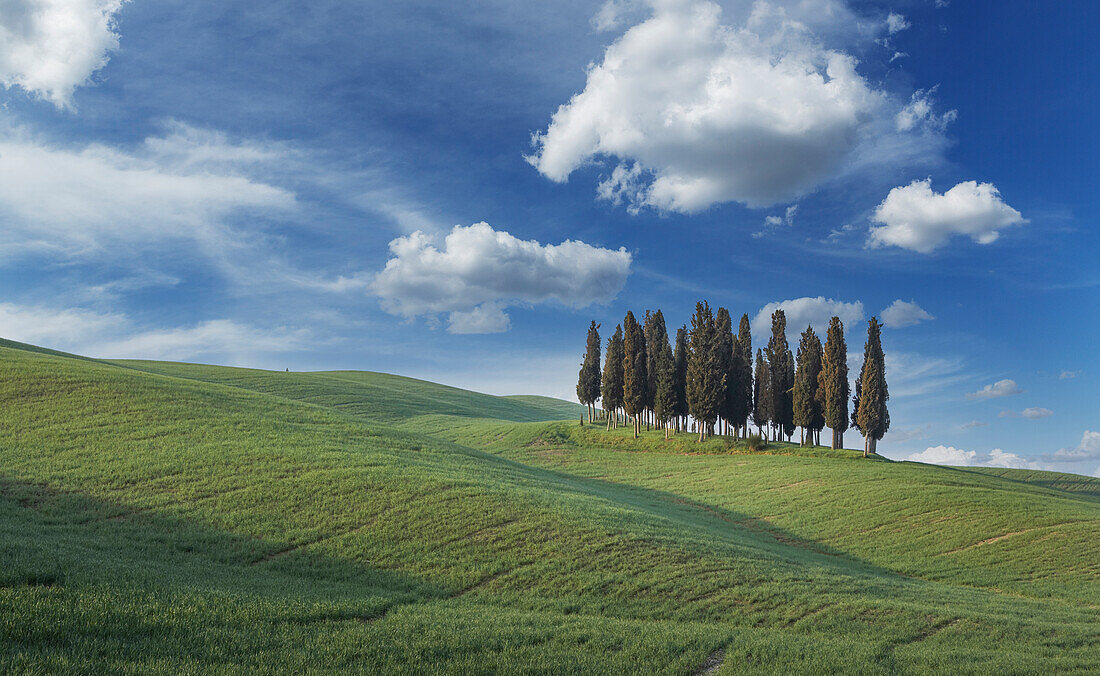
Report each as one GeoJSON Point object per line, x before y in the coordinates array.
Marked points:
{"type": "Point", "coordinates": [174, 518]}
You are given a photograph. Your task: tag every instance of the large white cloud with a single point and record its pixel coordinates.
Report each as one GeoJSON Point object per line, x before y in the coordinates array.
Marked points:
{"type": "Point", "coordinates": [1088, 449]}
{"type": "Point", "coordinates": [114, 335]}
{"type": "Point", "coordinates": [51, 47]}
{"type": "Point", "coordinates": [805, 311]}
{"type": "Point", "coordinates": [479, 271]}
{"type": "Point", "coordinates": [916, 218]}
{"type": "Point", "coordinates": [1001, 388]}
{"type": "Point", "coordinates": [904, 313]}
{"type": "Point", "coordinates": [698, 112]}
{"type": "Point", "coordinates": [184, 184]}
{"type": "Point", "coordinates": [949, 455]}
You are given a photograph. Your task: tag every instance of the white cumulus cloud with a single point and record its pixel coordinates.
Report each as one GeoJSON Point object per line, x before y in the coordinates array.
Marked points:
{"type": "Point", "coordinates": [1001, 388]}
{"type": "Point", "coordinates": [949, 455]}
{"type": "Point", "coordinates": [479, 270]}
{"type": "Point", "coordinates": [1036, 412]}
{"type": "Point", "coordinates": [904, 313]}
{"type": "Point", "coordinates": [944, 455]}
{"type": "Point", "coordinates": [698, 112]}
{"type": "Point", "coordinates": [916, 218]}
{"type": "Point", "coordinates": [50, 47]}
{"type": "Point", "coordinates": [805, 311]}
{"type": "Point", "coordinates": [1088, 449]}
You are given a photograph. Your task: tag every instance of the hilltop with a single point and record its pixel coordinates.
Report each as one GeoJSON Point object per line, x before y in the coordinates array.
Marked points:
{"type": "Point", "coordinates": [163, 517]}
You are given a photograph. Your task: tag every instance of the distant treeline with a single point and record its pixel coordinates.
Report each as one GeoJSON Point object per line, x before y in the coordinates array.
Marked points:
{"type": "Point", "coordinates": [711, 376]}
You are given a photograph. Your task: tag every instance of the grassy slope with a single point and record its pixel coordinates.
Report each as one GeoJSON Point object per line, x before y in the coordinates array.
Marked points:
{"type": "Point", "coordinates": [207, 518]}
{"type": "Point", "coordinates": [377, 397]}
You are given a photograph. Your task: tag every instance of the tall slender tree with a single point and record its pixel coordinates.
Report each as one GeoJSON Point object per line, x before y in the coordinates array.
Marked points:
{"type": "Point", "coordinates": [664, 399]}
{"type": "Point", "coordinates": [788, 395]}
{"type": "Point", "coordinates": [705, 379]}
{"type": "Point", "coordinates": [742, 366]}
{"type": "Point", "coordinates": [781, 371]}
{"type": "Point", "coordinates": [611, 391]}
{"type": "Point", "coordinates": [679, 375]}
{"type": "Point", "coordinates": [762, 396]}
{"type": "Point", "coordinates": [588, 380]}
{"type": "Point", "coordinates": [872, 416]}
{"type": "Point", "coordinates": [635, 378]}
{"type": "Point", "coordinates": [806, 406]}
{"type": "Point", "coordinates": [833, 388]}
{"type": "Point", "coordinates": [655, 335]}
{"type": "Point", "coordinates": [724, 347]}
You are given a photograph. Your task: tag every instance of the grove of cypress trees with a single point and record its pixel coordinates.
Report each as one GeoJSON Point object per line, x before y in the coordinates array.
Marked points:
{"type": "Point", "coordinates": [664, 398]}
{"type": "Point", "coordinates": [679, 375]}
{"type": "Point", "coordinates": [611, 391]}
{"type": "Point", "coordinates": [762, 397]}
{"type": "Point", "coordinates": [872, 416]}
{"type": "Point", "coordinates": [724, 347]}
{"type": "Point", "coordinates": [833, 389]}
{"type": "Point", "coordinates": [588, 380]}
{"type": "Point", "coordinates": [806, 406]}
{"type": "Point", "coordinates": [635, 378]}
{"type": "Point", "coordinates": [704, 378]}
{"type": "Point", "coordinates": [742, 366]}
{"type": "Point", "coordinates": [781, 371]}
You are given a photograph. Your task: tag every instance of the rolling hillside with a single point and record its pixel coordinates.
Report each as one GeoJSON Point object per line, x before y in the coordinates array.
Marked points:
{"type": "Point", "coordinates": [159, 517]}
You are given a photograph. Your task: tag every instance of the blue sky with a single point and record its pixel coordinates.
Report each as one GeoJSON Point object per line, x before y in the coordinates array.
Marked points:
{"type": "Point", "coordinates": [279, 186]}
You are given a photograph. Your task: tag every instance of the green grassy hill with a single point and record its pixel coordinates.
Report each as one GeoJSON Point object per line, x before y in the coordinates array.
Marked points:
{"type": "Point", "coordinates": [167, 518]}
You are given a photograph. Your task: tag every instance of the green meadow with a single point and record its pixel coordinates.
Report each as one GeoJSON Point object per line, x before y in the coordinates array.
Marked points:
{"type": "Point", "coordinates": [175, 518]}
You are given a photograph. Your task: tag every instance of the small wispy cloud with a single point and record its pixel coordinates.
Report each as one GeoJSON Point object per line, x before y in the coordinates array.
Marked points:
{"type": "Point", "coordinates": [1033, 413]}
{"type": "Point", "coordinates": [1001, 388]}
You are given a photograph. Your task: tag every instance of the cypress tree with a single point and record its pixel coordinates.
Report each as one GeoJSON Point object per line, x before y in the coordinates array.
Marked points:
{"type": "Point", "coordinates": [833, 388]}
{"type": "Point", "coordinates": [655, 335]}
{"type": "Point", "coordinates": [742, 365]}
{"type": "Point", "coordinates": [705, 378]}
{"type": "Point", "coordinates": [788, 395]}
{"type": "Point", "coordinates": [588, 380]}
{"type": "Point", "coordinates": [781, 372]}
{"type": "Point", "coordinates": [762, 397]}
{"type": "Point", "coordinates": [679, 375]}
{"type": "Point", "coordinates": [635, 378]}
{"type": "Point", "coordinates": [806, 406]}
{"type": "Point", "coordinates": [724, 347]}
{"type": "Point", "coordinates": [664, 398]}
{"type": "Point", "coordinates": [871, 412]}
{"type": "Point", "coordinates": [611, 390]}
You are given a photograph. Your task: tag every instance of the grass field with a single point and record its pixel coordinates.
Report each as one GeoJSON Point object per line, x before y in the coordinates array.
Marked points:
{"type": "Point", "coordinates": [174, 518]}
